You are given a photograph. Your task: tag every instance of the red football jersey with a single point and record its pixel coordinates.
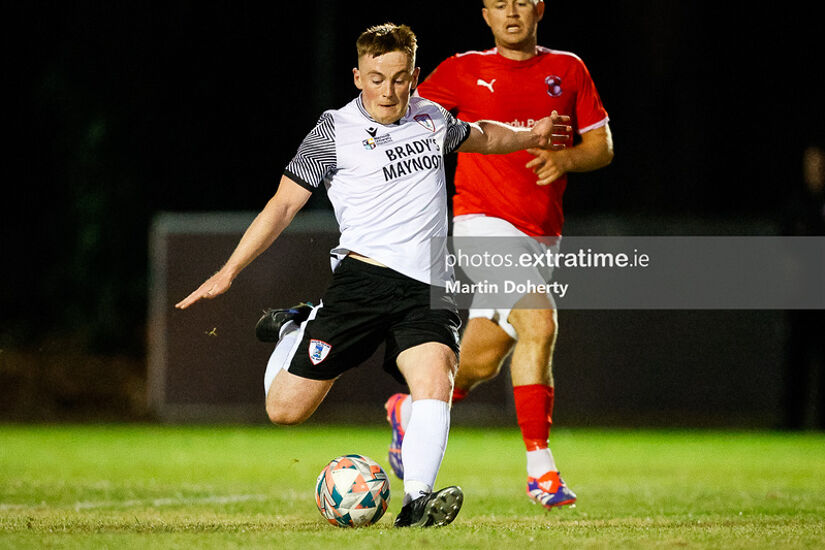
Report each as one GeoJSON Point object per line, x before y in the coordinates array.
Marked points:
{"type": "Point", "coordinates": [485, 85]}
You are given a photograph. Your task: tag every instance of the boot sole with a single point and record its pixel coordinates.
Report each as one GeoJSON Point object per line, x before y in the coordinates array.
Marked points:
{"type": "Point", "coordinates": [442, 508]}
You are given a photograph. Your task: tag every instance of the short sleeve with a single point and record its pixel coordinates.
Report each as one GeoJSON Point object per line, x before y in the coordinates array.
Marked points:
{"type": "Point", "coordinates": [316, 158]}
{"type": "Point", "coordinates": [590, 113]}
{"type": "Point", "coordinates": [457, 131]}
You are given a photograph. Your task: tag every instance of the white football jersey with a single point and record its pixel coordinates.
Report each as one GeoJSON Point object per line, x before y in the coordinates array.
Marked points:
{"type": "Point", "coordinates": [386, 183]}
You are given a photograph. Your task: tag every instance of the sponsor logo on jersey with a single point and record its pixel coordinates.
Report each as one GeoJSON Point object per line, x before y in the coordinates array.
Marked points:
{"type": "Point", "coordinates": [529, 123]}
{"type": "Point", "coordinates": [425, 121]}
{"type": "Point", "coordinates": [553, 85]}
{"type": "Point", "coordinates": [488, 85]}
{"type": "Point", "coordinates": [414, 156]}
{"type": "Point", "coordinates": [373, 142]}
{"type": "Point", "coordinates": [318, 351]}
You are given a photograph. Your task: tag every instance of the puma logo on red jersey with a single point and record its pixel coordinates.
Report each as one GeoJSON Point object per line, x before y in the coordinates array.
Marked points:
{"type": "Point", "coordinates": [488, 85]}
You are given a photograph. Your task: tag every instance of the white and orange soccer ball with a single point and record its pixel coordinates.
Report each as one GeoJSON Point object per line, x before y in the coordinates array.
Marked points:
{"type": "Point", "coordinates": [352, 491]}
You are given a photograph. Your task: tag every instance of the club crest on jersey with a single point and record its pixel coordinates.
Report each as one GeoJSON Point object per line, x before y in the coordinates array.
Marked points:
{"type": "Point", "coordinates": [553, 85]}
{"type": "Point", "coordinates": [318, 351]}
{"type": "Point", "coordinates": [425, 121]}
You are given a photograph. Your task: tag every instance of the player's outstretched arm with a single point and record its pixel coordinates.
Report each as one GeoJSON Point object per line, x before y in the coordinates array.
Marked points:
{"type": "Point", "coordinates": [490, 137]}
{"type": "Point", "coordinates": [261, 233]}
{"type": "Point", "coordinates": [595, 151]}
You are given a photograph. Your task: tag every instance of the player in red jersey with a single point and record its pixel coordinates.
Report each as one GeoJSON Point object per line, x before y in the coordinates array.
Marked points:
{"type": "Point", "coordinates": [518, 82]}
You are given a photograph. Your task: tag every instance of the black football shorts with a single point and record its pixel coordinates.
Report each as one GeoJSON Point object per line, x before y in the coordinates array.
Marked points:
{"type": "Point", "coordinates": [364, 306]}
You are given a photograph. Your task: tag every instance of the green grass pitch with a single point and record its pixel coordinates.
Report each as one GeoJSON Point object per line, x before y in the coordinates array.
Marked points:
{"type": "Point", "coordinates": [128, 486]}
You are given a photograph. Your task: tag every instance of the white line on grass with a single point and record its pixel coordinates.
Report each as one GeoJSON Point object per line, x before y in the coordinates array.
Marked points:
{"type": "Point", "coordinates": [134, 503]}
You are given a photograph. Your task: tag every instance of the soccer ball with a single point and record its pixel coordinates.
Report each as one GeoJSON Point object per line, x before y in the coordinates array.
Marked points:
{"type": "Point", "coordinates": [352, 491]}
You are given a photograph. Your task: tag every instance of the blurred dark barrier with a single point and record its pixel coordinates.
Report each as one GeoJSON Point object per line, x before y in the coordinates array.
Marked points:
{"type": "Point", "coordinates": [668, 368]}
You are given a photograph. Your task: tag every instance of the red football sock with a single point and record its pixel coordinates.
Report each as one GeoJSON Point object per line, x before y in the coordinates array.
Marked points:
{"type": "Point", "coordinates": [534, 410]}
{"type": "Point", "coordinates": [458, 394]}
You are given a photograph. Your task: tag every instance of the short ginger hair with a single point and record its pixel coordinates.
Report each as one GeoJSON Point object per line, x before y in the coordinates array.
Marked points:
{"type": "Point", "coordinates": [389, 37]}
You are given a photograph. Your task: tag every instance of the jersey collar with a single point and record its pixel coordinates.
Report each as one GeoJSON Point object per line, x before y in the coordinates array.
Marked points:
{"type": "Point", "coordinates": [360, 103]}
{"type": "Point", "coordinates": [506, 61]}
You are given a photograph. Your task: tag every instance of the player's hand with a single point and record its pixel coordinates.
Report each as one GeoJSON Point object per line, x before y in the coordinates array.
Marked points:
{"type": "Point", "coordinates": [543, 130]}
{"type": "Point", "coordinates": [562, 132]}
{"type": "Point", "coordinates": [547, 165]}
{"type": "Point", "coordinates": [214, 286]}
{"type": "Point", "coordinates": [554, 132]}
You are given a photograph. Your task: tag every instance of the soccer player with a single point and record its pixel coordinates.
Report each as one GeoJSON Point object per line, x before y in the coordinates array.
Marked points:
{"type": "Point", "coordinates": [515, 195]}
{"type": "Point", "coordinates": [381, 160]}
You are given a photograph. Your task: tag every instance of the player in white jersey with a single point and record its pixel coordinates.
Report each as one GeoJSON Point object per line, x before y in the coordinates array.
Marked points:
{"type": "Point", "coordinates": [381, 160]}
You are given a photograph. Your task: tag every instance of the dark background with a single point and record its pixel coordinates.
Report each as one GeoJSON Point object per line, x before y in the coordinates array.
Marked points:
{"type": "Point", "coordinates": [116, 111]}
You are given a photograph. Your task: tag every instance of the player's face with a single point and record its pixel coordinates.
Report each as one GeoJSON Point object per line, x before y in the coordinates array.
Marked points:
{"type": "Point", "coordinates": [386, 82]}
{"type": "Point", "coordinates": [514, 22]}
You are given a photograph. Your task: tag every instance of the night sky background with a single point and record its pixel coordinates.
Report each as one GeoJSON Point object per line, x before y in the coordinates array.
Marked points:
{"type": "Point", "coordinates": [116, 111]}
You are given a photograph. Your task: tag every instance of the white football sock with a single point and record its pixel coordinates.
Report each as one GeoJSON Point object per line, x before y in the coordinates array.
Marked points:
{"type": "Point", "coordinates": [414, 490]}
{"type": "Point", "coordinates": [539, 462]}
{"type": "Point", "coordinates": [284, 351]}
{"type": "Point", "coordinates": [424, 444]}
{"type": "Point", "coordinates": [406, 411]}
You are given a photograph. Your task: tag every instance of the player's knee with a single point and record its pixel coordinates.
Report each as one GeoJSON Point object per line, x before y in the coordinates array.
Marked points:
{"type": "Point", "coordinates": [437, 384]}
{"type": "Point", "coordinates": [440, 386]}
{"type": "Point", "coordinates": [480, 367]}
{"type": "Point", "coordinates": [283, 415]}
{"type": "Point", "coordinates": [539, 326]}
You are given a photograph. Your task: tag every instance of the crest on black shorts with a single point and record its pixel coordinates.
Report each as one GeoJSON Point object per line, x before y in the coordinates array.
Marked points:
{"type": "Point", "coordinates": [553, 85]}
{"type": "Point", "coordinates": [318, 351]}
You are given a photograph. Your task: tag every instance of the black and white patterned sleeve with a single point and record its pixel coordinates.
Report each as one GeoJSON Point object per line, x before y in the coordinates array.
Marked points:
{"type": "Point", "coordinates": [457, 131]}
{"type": "Point", "coordinates": [315, 158]}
